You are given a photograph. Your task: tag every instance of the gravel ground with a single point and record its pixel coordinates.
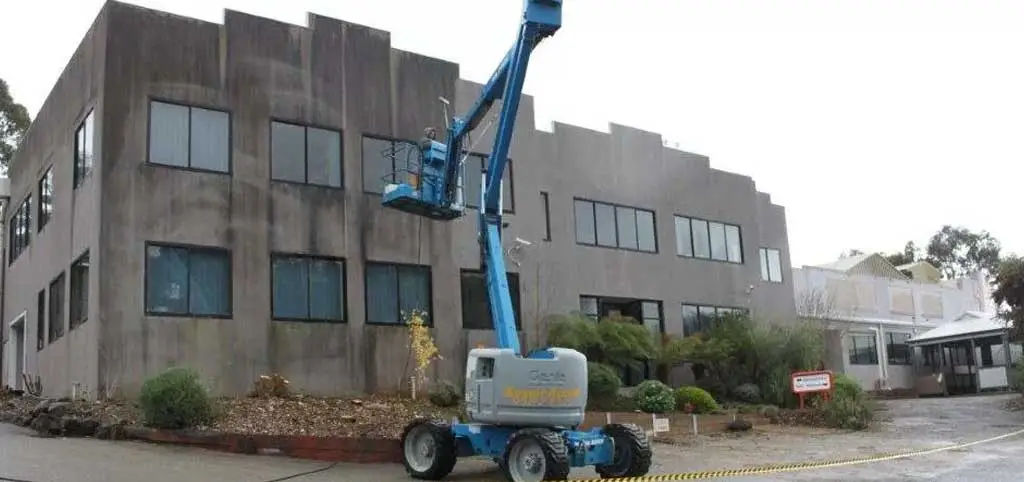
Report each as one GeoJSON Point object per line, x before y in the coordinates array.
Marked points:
{"type": "Point", "coordinates": [915, 424]}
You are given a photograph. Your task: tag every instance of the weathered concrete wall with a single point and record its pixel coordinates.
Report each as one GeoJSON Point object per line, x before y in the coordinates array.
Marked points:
{"type": "Point", "coordinates": [344, 76]}
{"type": "Point", "coordinates": [72, 229]}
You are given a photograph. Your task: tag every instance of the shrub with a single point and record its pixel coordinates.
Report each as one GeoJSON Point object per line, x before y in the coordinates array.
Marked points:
{"type": "Point", "coordinates": [845, 386]}
{"type": "Point", "coordinates": [700, 400]}
{"type": "Point", "coordinates": [445, 394]}
{"type": "Point", "coordinates": [1017, 377]}
{"type": "Point", "coordinates": [849, 413]}
{"type": "Point", "coordinates": [271, 386]}
{"type": "Point", "coordinates": [747, 393]}
{"type": "Point", "coordinates": [602, 381]}
{"type": "Point", "coordinates": [175, 399]}
{"type": "Point", "coordinates": [653, 396]}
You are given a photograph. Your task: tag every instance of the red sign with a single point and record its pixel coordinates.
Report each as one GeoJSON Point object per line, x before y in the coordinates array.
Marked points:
{"type": "Point", "coordinates": [817, 381]}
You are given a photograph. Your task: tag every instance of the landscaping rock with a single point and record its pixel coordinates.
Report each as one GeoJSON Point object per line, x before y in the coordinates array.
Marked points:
{"type": "Point", "coordinates": [740, 425]}
{"type": "Point", "coordinates": [74, 427]}
{"type": "Point", "coordinates": [42, 407]}
{"type": "Point", "coordinates": [58, 410]}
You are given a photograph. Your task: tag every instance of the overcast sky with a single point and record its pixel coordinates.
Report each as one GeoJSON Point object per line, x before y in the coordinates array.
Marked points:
{"type": "Point", "coordinates": [872, 122]}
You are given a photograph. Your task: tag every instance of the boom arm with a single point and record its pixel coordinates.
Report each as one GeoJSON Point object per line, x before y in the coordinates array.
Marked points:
{"type": "Point", "coordinates": [437, 194]}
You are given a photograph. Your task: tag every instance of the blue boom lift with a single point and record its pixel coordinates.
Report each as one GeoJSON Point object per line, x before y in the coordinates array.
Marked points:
{"type": "Point", "coordinates": [524, 411]}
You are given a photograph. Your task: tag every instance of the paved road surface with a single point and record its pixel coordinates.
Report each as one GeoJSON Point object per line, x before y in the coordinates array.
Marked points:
{"type": "Point", "coordinates": [916, 424]}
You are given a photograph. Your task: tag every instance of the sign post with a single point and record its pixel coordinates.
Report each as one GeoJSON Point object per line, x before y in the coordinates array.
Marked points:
{"type": "Point", "coordinates": [817, 381]}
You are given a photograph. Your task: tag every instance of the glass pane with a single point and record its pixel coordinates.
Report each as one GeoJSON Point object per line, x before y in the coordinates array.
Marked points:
{"type": "Point", "coordinates": [732, 240]}
{"type": "Point", "coordinates": [167, 280]}
{"type": "Point", "coordinates": [645, 231]}
{"type": "Point", "coordinates": [605, 216]}
{"type": "Point", "coordinates": [291, 288]}
{"type": "Point", "coordinates": [588, 305]}
{"type": "Point", "coordinates": [414, 290]}
{"type": "Point", "coordinates": [377, 164]}
{"type": "Point", "coordinates": [764, 263]}
{"type": "Point", "coordinates": [690, 321]}
{"type": "Point", "coordinates": [584, 222]}
{"type": "Point", "coordinates": [627, 227]}
{"type": "Point", "coordinates": [168, 134]}
{"type": "Point", "coordinates": [718, 250]}
{"type": "Point", "coordinates": [684, 245]}
{"type": "Point", "coordinates": [649, 309]}
{"type": "Point", "coordinates": [209, 283]}
{"type": "Point", "coordinates": [326, 290]}
{"type": "Point", "coordinates": [211, 139]}
{"type": "Point", "coordinates": [701, 243]}
{"type": "Point", "coordinates": [473, 181]}
{"type": "Point", "coordinates": [88, 143]}
{"type": "Point", "coordinates": [706, 314]}
{"type": "Point", "coordinates": [381, 294]}
{"type": "Point", "coordinates": [287, 152]}
{"type": "Point", "coordinates": [323, 156]}
{"type": "Point", "coordinates": [775, 265]}
{"type": "Point", "coordinates": [475, 310]}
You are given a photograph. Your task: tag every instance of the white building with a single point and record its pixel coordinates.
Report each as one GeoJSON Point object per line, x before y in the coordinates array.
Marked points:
{"type": "Point", "coordinates": [872, 308]}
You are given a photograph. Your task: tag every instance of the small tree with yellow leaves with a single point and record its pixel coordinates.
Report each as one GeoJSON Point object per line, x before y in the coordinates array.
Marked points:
{"type": "Point", "coordinates": [422, 347]}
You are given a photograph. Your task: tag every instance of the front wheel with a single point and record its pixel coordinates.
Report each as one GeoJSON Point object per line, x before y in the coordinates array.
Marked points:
{"type": "Point", "coordinates": [632, 452]}
{"type": "Point", "coordinates": [535, 455]}
{"type": "Point", "coordinates": [428, 449]}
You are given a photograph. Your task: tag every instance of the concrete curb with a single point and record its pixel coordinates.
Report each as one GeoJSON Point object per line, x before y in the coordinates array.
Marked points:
{"type": "Point", "coordinates": [329, 449]}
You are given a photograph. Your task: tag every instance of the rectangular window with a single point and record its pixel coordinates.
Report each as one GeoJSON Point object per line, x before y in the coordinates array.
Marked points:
{"type": "Point", "coordinates": [863, 350]}
{"type": "Point", "coordinates": [45, 198]}
{"type": "Point", "coordinates": [476, 305]}
{"type": "Point", "coordinates": [188, 281]}
{"type": "Point", "coordinates": [771, 265]}
{"type": "Point", "coordinates": [393, 291]}
{"type": "Point", "coordinates": [84, 152]}
{"type": "Point", "coordinates": [189, 137]}
{"type": "Point", "coordinates": [41, 320]}
{"type": "Point", "coordinates": [387, 161]}
{"type": "Point", "coordinates": [613, 226]}
{"type": "Point", "coordinates": [307, 155]}
{"type": "Point", "coordinates": [651, 313]}
{"type": "Point", "coordinates": [308, 288]}
{"type": "Point", "coordinates": [56, 308]}
{"type": "Point", "coordinates": [545, 204]}
{"type": "Point", "coordinates": [588, 306]}
{"type": "Point", "coordinates": [898, 350]}
{"type": "Point", "coordinates": [700, 238]}
{"type": "Point", "coordinates": [19, 229]}
{"type": "Point", "coordinates": [79, 291]}
{"type": "Point", "coordinates": [475, 170]}
{"type": "Point", "coordinates": [701, 318]}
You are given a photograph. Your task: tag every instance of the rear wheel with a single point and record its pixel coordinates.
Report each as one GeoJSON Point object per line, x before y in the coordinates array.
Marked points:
{"type": "Point", "coordinates": [535, 455]}
{"type": "Point", "coordinates": [632, 452]}
{"type": "Point", "coordinates": [428, 449]}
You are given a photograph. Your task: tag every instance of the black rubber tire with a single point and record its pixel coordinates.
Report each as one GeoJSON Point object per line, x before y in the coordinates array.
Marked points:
{"type": "Point", "coordinates": [556, 454]}
{"type": "Point", "coordinates": [445, 455]}
{"type": "Point", "coordinates": [630, 441]}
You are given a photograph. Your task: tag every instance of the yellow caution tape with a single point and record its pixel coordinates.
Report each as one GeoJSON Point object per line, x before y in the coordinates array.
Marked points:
{"type": "Point", "coordinates": [797, 466]}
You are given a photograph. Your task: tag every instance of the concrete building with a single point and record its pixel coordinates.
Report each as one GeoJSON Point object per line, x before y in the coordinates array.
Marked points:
{"type": "Point", "coordinates": [873, 308]}
{"type": "Point", "coordinates": [210, 197]}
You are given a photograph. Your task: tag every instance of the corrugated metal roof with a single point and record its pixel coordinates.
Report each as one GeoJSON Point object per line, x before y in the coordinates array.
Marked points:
{"type": "Point", "coordinates": [970, 323]}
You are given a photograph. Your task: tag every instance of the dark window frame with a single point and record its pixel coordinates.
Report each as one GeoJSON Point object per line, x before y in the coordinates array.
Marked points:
{"type": "Point", "coordinates": [45, 186]}
{"type": "Point", "coordinates": [84, 161]}
{"type": "Point", "coordinates": [515, 290]}
{"type": "Point", "coordinates": [648, 368]}
{"type": "Point", "coordinates": [766, 270]}
{"type": "Point", "coordinates": [615, 209]}
{"type": "Point", "coordinates": [190, 106]}
{"type": "Point", "coordinates": [56, 310]}
{"type": "Point", "coordinates": [78, 309]}
{"type": "Point", "coordinates": [429, 271]}
{"type": "Point", "coordinates": [897, 350]}
{"type": "Point", "coordinates": [676, 218]}
{"type": "Point", "coordinates": [470, 200]}
{"type": "Point", "coordinates": [719, 310]}
{"type": "Point", "coordinates": [394, 174]}
{"type": "Point", "coordinates": [306, 126]}
{"type": "Point", "coordinates": [854, 357]}
{"type": "Point", "coordinates": [42, 310]}
{"type": "Point", "coordinates": [276, 255]}
{"type": "Point", "coordinates": [191, 248]}
{"type": "Point", "coordinates": [545, 200]}
{"type": "Point", "coordinates": [19, 230]}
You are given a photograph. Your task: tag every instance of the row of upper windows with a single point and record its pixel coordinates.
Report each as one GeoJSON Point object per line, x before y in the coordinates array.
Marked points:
{"type": "Point", "coordinates": [196, 281]}
{"type": "Point", "coordinates": [634, 229]}
{"type": "Point", "coordinates": [52, 304]}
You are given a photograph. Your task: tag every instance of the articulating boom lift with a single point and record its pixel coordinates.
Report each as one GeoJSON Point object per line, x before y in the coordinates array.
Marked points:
{"type": "Point", "coordinates": [523, 412]}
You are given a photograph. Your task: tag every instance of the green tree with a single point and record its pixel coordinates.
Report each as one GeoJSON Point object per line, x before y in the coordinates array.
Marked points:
{"type": "Point", "coordinates": [958, 251]}
{"type": "Point", "coordinates": [14, 122]}
{"type": "Point", "coordinates": [1008, 293]}
{"type": "Point", "coordinates": [910, 254]}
